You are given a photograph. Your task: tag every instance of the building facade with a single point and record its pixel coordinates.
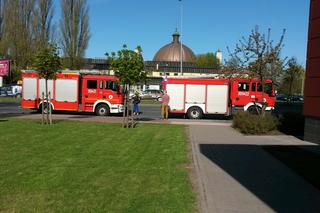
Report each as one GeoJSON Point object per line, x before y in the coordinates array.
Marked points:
{"type": "Point", "coordinates": [312, 82]}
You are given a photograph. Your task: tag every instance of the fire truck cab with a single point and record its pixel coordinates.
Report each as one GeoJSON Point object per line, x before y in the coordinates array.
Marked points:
{"type": "Point", "coordinates": [247, 93]}
{"type": "Point", "coordinates": [74, 91]}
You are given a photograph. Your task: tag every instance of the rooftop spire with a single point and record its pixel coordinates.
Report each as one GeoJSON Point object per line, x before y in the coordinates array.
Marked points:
{"type": "Point", "coordinates": [176, 36]}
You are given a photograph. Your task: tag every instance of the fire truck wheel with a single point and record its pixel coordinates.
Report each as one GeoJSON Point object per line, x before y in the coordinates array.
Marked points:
{"type": "Point", "coordinates": [195, 113]}
{"type": "Point", "coordinates": [102, 110]}
{"type": "Point", "coordinates": [254, 110]}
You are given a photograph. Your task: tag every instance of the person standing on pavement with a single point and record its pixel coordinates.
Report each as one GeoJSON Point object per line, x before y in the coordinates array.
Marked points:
{"type": "Point", "coordinates": [165, 105]}
{"type": "Point", "coordinates": [136, 101]}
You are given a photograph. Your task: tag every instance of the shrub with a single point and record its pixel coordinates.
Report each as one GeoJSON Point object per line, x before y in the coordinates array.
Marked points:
{"type": "Point", "coordinates": [252, 124]}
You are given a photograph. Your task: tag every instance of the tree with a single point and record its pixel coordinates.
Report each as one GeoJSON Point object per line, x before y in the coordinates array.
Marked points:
{"type": "Point", "coordinates": [75, 35]}
{"type": "Point", "coordinates": [128, 66]}
{"type": "Point", "coordinates": [47, 63]}
{"type": "Point", "coordinates": [292, 79]}
{"type": "Point", "coordinates": [18, 40]}
{"type": "Point", "coordinates": [258, 53]}
{"type": "Point", "coordinates": [43, 22]}
{"type": "Point", "coordinates": [208, 60]}
{"type": "Point", "coordinates": [232, 69]}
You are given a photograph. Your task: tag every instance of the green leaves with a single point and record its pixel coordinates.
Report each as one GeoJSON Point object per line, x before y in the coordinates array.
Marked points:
{"type": "Point", "coordinates": [128, 65]}
{"type": "Point", "coordinates": [207, 60]}
{"type": "Point", "coordinates": [47, 62]}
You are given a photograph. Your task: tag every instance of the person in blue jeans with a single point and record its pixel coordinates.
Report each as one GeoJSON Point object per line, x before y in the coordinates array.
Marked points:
{"type": "Point", "coordinates": [136, 101]}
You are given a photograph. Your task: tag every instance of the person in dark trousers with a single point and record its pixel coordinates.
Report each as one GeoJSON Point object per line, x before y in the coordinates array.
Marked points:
{"type": "Point", "coordinates": [136, 101]}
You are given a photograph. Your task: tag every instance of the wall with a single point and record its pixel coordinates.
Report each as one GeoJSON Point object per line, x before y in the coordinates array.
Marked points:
{"type": "Point", "coordinates": [312, 82]}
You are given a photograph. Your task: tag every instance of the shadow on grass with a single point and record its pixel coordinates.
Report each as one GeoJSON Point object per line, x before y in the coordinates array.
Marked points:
{"type": "Point", "coordinates": [268, 179]}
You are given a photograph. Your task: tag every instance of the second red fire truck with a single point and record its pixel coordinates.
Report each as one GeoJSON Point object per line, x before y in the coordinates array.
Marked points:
{"type": "Point", "coordinates": [198, 96]}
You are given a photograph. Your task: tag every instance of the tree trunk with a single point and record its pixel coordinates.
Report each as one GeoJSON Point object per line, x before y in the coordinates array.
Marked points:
{"type": "Point", "coordinates": [124, 110]}
{"type": "Point", "coordinates": [50, 110]}
{"type": "Point", "coordinates": [47, 102]}
{"type": "Point", "coordinates": [128, 103]}
{"type": "Point", "coordinates": [42, 108]}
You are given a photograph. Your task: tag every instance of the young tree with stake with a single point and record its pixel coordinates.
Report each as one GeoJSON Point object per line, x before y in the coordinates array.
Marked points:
{"type": "Point", "coordinates": [128, 65]}
{"type": "Point", "coordinates": [47, 63]}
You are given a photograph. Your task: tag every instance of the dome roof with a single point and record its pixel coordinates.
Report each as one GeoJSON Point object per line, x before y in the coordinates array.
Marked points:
{"type": "Point", "coordinates": [171, 52]}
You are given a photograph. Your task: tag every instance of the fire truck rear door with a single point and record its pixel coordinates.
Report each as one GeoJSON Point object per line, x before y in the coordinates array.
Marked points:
{"type": "Point", "coordinates": [217, 99]}
{"type": "Point", "coordinates": [176, 94]}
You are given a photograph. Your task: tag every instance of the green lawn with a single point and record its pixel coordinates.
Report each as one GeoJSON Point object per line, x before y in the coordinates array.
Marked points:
{"type": "Point", "coordinates": [93, 167]}
{"type": "Point", "coordinates": [9, 99]}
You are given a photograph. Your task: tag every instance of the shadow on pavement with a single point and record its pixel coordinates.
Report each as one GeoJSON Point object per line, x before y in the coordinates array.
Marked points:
{"type": "Point", "coordinates": [263, 175]}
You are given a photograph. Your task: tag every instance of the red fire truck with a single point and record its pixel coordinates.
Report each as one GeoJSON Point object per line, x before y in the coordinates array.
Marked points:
{"type": "Point", "coordinates": [74, 91]}
{"type": "Point", "coordinates": [198, 96]}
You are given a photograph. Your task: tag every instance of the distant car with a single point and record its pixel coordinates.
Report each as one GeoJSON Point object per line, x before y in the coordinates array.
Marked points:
{"type": "Point", "coordinates": [3, 91]}
{"type": "Point", "coordinates": [282, 97]}
{"type": "Point", "coordinates": [151, 94]}
{"type": "Point", "coordinates": [297, 98]}
{"type": "Point", "coordinates": [11, 91]}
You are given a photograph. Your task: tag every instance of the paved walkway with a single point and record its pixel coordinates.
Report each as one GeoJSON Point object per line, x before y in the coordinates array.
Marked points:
{"type": "Point", "coordinates": [235, 174]}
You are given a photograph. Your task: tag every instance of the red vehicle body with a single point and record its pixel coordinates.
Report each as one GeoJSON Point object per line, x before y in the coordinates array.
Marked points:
{"type": "Point", "coordinates": [73, 91]}
{"type": "Point", "coordinates": [198, 96]}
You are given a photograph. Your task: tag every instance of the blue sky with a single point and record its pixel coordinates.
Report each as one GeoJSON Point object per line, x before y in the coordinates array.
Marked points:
{"type": "Point", "coordinates": [208, 25]}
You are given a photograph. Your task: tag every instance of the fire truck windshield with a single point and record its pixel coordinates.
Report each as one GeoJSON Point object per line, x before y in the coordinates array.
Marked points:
{"type": "Point", "coordinates": [268, 88]}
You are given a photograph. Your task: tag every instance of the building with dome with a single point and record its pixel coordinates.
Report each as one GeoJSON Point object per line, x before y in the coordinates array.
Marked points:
{"type": "Point", "coordinates": [167, 61]}
{"type": "Point", "coordinates": [173, 51]}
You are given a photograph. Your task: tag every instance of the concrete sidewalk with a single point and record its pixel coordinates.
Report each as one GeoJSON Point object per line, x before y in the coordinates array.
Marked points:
{"type": "Point", "coordinates": [235, 174]}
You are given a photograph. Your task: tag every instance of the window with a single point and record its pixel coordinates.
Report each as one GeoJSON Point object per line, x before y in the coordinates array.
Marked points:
{"type": "Point", "coordinates": [107, 85]}
{"type": "Point", "coordinates": [268, 88]}
{"type": "Point", "coordinates": [112, 85]}
{"type": "Point", "coordinates": [253, 87]}
{"type": "Point", "coordinates": [175, 74]}
{"type": "Point", "coordinates": [92, 84]}
{"type": "Point", "coordinates": [242, 86]}
{"type": "Point", "coordinates": [167, 74]}
{"type": "Point", "coordinates": [101, 84]}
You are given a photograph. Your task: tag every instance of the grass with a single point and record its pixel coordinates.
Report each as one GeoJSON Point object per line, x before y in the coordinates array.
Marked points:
{"type": "Point", "coordinates": [9, 99]}
{"type": "Point", "coordinates": [93, 167]}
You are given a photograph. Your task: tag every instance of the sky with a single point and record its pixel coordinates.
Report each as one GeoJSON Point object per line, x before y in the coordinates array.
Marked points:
{"type": "Point", "coordinates": [208, 25]}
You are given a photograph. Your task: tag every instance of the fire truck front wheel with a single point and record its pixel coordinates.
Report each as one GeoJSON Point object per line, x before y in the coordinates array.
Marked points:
{"type": "Point", "coordinates": [195, 113]}
{"type": "Point", "coordinates": [102, 110]}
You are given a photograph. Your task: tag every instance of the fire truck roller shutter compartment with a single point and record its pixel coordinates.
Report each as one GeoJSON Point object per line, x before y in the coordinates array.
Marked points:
{"type": "Point", "coordinates": [29, 88]}
{"type": "Point", "coordinates": [66, 90]}
{"type": "Point", "coordinates": [176, 93]}
{"type": "Point", "coordinates": [217, 99]}
{"type": "Point", "coordinates": [195, 96]}
{"type": "Point", "coordinates": [42, 87]}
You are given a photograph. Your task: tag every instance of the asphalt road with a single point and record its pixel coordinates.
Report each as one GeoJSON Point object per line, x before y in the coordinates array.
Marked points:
{"type": "Point", "coordinates": [9, 109]}
{"type": "Point", "coordinates": [148, 111]}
